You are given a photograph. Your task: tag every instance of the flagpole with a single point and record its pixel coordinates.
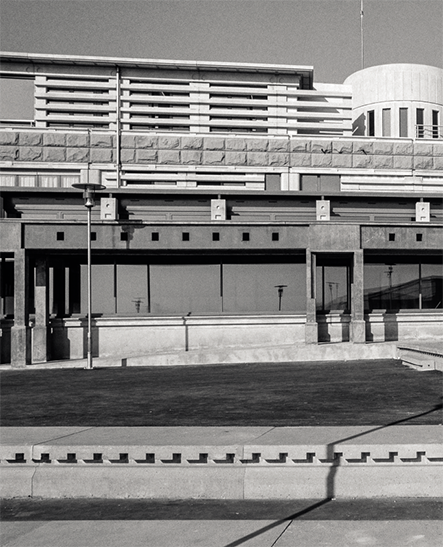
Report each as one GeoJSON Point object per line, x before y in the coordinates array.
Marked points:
{"type": "Point", "coordinates": [362, 45]}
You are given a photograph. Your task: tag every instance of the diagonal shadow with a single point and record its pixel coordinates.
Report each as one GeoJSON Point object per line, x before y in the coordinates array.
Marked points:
{"type": "Point", "coordinates": [287, 519]}
{"type": "Point", "coordinates": [330, 481]}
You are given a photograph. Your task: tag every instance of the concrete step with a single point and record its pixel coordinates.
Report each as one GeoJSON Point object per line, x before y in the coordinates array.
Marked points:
{"type": "Point", "coordinates": [422, 359]}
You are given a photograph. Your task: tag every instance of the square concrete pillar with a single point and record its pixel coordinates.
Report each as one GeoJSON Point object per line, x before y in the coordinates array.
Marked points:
{"type": "Point", "coordinates": [20, 332]}
{"type": "Point", "coordinates": [358, 325]}
{"type": "Point", "coordinates": [311, 327]}
{"type": "Point", "coordinates": [40, 330]}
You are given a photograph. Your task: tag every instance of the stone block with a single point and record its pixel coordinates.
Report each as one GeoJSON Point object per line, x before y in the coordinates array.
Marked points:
{"type": "Point", "coordinates": [276, 158]}
{"type": "Point", "coordinates": [438, 163]}
{"type": "Point", "coordinates": [422, 162]}
{"type": "Point", "coordinates": [213, 158]}
{"type": "Point", "coordinates": [77, 140]}
{"type": "Point", "coordinates": [278, 145]}
{"type": "Point", "coordinates": [54, 139]}
{"type": "Point", "coordinates": [361, 161]}
{"type": "Point", "coordinates": [101, 155]}
{"type": "Point", "coordinates": [127, 155]}
{"type": "Point", "coordinates": [127, 141]}
{"type": "Point", "coordinates": [382, 162]}
{"type": "Point", "coordinates": [321, 160]}
{"type": "Point", "coordinates": [235, 144]}
{"type": "Point", "coordinates": [146, 141]}
{"type": "Point", "coordinates": [402, 148]}
{"type": "Point", "coordinates": [235, 158]}
{"type": "Point", "coordinates": [54, 154]}
{"type": "Point", "coordinates": [169, 156]}
{"type": "Point", "coordinates": [257, 145]}
{"type": "Point", "coordinates": [300, 160]}
{"type": "Point", "coordinates": [101, 141]}
{"type": "Point", "coordinates": [403, 162]}
{"type": "Point", "coordinates": [321, 147]}
{"type": "Point", "coordinates": [8, 137]}
{"type": "Point", "coordinates": [360, 147]}
{"type": "Point", "coordinates": [214, 144]}
{"type": "Point", "coordinates": [30, 153]}
{"type": "Point", "coordinates": [145, 156]}
{"type": "Point", "coordinates": [30, 139]}
{"type": "Point", "coordinates": [258, 158]}
{"type": "Point", "coordinates": [423, 149]}
{"type": "Point", "coordinates": [382, 148]}
{"type": "Point", "coordinates": [342, 147]}
{"type": "Point", "coordinates": [80, 155]}
{"type": "Point", "coordinates": [341, 160]}
{"type": "Point", "coordinates": [438, 149]}
{"type": "Point", "coordinates": [301, 146]}
{"type": "Point", "coordinates": [191, 157]}
{"type": "Point", "coordinates": [9, 153]}
{"type": "Point", "coordinates": [168, 143]}
{"type": "Point", "coordinates": [192, 143]}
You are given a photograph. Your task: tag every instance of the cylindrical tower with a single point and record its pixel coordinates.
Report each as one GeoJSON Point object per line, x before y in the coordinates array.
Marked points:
{"type": "Point", "coordinates": [398, 100]}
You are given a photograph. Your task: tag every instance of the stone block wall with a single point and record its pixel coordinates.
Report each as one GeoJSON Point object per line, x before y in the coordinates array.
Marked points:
{"type": "Point", "coordinates": [249, 152]}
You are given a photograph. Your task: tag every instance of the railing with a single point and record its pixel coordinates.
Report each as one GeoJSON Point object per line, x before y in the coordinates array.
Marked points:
{"type": "Point", "coordinates": [17, 123]}
{"type": "Point", "coordinates": [428, 131]}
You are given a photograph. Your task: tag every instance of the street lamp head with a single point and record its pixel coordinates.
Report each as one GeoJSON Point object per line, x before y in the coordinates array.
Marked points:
{"type": "Point", "coordinates": [89, 190]}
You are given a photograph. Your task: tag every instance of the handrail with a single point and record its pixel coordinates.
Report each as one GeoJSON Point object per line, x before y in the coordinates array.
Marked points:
{"type": "Point", "coordinates": [428, 131]}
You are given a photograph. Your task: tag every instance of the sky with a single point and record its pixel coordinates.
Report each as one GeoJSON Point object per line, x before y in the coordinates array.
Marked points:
{"type": "Point", "coordinates": [324, 34]}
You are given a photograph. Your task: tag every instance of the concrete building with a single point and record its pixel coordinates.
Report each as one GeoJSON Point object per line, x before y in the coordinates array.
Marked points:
{"type": "Point", "coordinates": [244, 204]}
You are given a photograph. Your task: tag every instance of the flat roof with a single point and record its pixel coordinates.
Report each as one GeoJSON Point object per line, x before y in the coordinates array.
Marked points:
{"type": "Point", "coordinates": [152, 63]}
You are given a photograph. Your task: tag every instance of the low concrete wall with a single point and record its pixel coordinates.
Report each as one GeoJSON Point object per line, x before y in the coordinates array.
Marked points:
{"type": "Point", "coordinates": [413, 325]}
{"type": "Point", "coordinates": [141, 336]}
{"type": "Point", "coordinates": [223, 463]}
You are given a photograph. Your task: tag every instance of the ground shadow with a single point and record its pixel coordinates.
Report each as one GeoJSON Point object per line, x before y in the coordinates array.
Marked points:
{"type": "Point", "coordinates": [335, 459]}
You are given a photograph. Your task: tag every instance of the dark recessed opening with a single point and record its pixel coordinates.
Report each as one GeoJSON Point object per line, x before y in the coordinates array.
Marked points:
{"type": "Point", "coordinates": [245, 236]}
{"type": "Point", "coordinates": [275, 236]}
{"type": "Point", "coordinates": [60, 236]}
{"type": "Point", "coordinates": [124, 458]}
{"type": "Point", "coordinates": [71, 457]}
{"type": "Point", "coordinates": [124, 236]}
{"type": "Point", "coordinates": [150, 458]}
{"type": "Point", "coordinates": [155, 236]}
{"type": "Point", "coordinates": [215, 236]}
{"type": "Point", "coordinates": [185, 236]}
{"type": "Point", "coordinates": [97, 457]}
{"type": "Point", "coordinates": [391, 237]}
{"type": "Point", "coordinates": [93, 236]}
{"type": "Point", "coordinates": [419, 237]}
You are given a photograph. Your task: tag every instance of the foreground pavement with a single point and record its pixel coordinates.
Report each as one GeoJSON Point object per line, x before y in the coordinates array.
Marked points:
{"type": "Point", "coordinates": [228, 523]}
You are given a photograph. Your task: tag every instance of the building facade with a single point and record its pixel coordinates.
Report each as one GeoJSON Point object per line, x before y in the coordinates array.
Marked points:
{"type": "Point", "coordinates": [244, 205]}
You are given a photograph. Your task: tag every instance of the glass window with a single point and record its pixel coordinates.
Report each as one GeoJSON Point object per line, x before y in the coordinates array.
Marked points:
{"type": "Point", "coordinates": [103, 293]}
{"type": "Point", "coordinates": [178, 288]}
{"type": "Point", "coordinates": [132, 289]}
{"type": "Point", "coordinates": [7, 286]}
{"type": "Point", "coordinates": [403, 122]}
{"type": "Point", "coordinates": [264, 288]}
{"type": "Point", "coordinates": [386, 122]}
{"type": "Point", "coordinates": [435, 128]}
{"type": "Point", "coordinates": [392, 286]}
{"type": "Point", "coordinates": [431, 286]}
{"type": "Point", "coordinates": [332, 288]}
{"type": "Point", "coordinates": [420, 117]}
{"type": "Point", "coordinates": [371, 123]}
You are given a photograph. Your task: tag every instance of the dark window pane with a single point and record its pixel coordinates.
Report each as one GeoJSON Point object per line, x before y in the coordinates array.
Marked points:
{"type": "Point", "coordinates": [182, 289]}
{"type": "Point", "coordinates": [254, 287]}
{"type": "Point", "coordinates": [391, 286]}
{"type": "Point", "coordinates": [403, 122]}
{"type": "Point", "coordinates": [310, 183]}
{"type": "Point", "coordinates": [435, 129]}
{"type": "Point", "coordinates": [431, 286]}
{"type": "Point", "coordinates": [371, 123]}
{"type": "Point", "coordinates": [332, 288]}
{"type": "Point", "coordinates": [386, 122]}
{"type": "Point", "coordinates": [420, 122]}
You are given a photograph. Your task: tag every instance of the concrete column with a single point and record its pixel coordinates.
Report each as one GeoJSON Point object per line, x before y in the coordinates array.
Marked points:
{"type": "Point", "coordinates": [358, 325]}
{"type": "Point", "coordinates": [311, 327]}
{"type": "Point", "coordinates": [20, 332]}
{"type": "Point", "coordinates": [40, 330]}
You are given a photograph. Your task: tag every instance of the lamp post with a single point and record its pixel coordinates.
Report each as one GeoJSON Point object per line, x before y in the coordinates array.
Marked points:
{"type": "Point", "coordinates": [89, 190]}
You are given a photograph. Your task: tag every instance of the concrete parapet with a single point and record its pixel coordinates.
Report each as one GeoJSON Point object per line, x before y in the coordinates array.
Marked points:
{"type": "Point", "coordinates": [221, 462]}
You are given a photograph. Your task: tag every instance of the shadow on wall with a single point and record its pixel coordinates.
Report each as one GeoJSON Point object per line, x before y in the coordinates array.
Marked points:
{"type": "Point", "coordinates": [5, 344]}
